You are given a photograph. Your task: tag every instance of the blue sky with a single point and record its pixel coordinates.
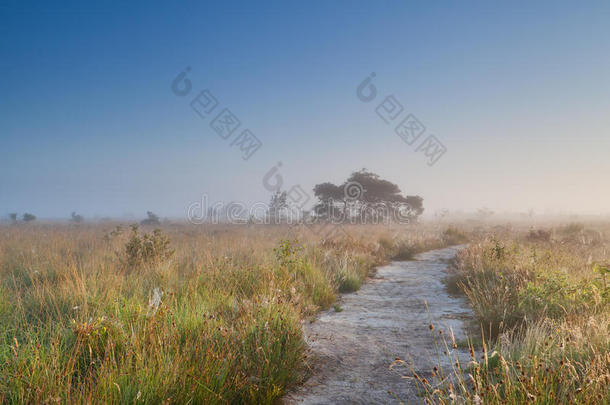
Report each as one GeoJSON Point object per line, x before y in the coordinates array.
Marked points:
{"type": "Point", "coordinates": [517, 92]}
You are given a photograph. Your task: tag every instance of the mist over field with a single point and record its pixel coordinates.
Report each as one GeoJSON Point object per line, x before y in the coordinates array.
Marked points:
{"type": "Point", "coordinates": [517, 94]}
{"type": "Point", "coordinates": [322, 202]}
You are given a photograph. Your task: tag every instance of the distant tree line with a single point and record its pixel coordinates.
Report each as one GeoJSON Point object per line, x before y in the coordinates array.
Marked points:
{"type": "Point", "coordinates": [27, 217]}
{"type": "Point", "coordinates": [363, 198]}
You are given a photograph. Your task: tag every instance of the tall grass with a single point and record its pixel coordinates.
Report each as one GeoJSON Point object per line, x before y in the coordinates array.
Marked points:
{"type": "Point", "coordinates": [98, 313]}
{"type": "Point", "coordinates": [544, 314]}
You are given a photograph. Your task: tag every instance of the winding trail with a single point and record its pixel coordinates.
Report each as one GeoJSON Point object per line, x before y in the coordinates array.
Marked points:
{"type": "Point", "coordinates": [352, 350]}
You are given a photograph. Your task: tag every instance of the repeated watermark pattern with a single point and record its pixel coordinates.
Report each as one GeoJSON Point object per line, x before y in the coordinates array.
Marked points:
{"type": "Point", "coordinates": [294, 201]}
{"type": "Point", "coordinates": [225, 123]}
{"type": "Point", "coordinates": [409, 128]}
{"type": "Point", "coordinates": [296, 196]}
{"type": "Point", "coordinates": [236, 212]}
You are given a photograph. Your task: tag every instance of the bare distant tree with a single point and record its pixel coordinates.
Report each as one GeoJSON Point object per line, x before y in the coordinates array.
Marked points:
{"type": "Point", "coordinates": [276, 205]}
{"type": "Point", "coordinates": [13, 216]}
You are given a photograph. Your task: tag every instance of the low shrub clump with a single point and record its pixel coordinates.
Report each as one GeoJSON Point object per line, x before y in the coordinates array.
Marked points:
{"type": "Point", "coordinates": [539, 235]}
{"type": "Point", "coordinates": [147, 248]}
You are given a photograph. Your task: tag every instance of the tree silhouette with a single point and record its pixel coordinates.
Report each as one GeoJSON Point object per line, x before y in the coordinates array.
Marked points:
{"type": "Point", "coordinates": [77, 218]}
{"type": "Point", "coordinates": [328, 195]}
{"type": "Point", "coordinates": [365, 196]}
{"type": "Point", "coordinates": [13, 216]}
{"type": "Point", "coordinates": [27, 217]}
{"type": "Point", "coordinates": [276, 205]}
{"type": "Point", "coordinates": [151, 220]}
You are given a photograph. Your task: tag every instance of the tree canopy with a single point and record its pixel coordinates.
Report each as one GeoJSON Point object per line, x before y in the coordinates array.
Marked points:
{"type": "Point", "coordinates": [27, 217]}
{"type": "Point", "coordinates": [364, 197]}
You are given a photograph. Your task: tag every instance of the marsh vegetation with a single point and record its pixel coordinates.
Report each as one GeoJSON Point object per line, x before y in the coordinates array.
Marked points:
{"type": "Point", "coordinates": [182, 313]}
{"type": "Point", "coordinates": [108, 313]}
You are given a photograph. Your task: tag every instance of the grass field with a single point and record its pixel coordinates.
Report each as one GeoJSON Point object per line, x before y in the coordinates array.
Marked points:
{"type": "Point", "coordinates": [212, 314]}
{"type": "Point", "coordinates": [109, 313]}
{"type": "Point", "coordinates": [541, 301]}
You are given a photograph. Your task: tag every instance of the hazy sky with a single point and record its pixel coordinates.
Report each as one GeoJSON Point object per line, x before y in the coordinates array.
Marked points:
{"type": "Point", "coordinates": [519, 94]}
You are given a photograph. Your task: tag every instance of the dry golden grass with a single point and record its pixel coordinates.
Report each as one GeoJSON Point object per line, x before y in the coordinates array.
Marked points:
{"type": "Point", "coordinates": [95, 313]}
{"type": "Point", "coordinates": [542, 305]}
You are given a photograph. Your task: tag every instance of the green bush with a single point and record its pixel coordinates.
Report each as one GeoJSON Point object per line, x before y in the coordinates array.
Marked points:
{"type": "Point", "coordinates": [148, 248]}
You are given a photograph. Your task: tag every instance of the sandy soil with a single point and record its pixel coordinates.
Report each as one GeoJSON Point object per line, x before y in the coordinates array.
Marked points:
{"type": "Point", "coordinates": [352, 350]}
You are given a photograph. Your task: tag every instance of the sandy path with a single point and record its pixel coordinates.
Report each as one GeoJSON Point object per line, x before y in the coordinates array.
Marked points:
{"type": "Point", "coordinates": [351, 351]}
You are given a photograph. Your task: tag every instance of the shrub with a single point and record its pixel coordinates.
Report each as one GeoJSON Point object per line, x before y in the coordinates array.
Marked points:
{"type": "Point", "coordinates": [286, 252]}
{"type": "Point", "coordinates": [77, 218]}
{"type": "Point", "coordinates": [151, 220]}
{"type": "Point", "coordinates": [538, 235]}
{"type": "Point", "coordinates": [29, 217]}
{"type": "Point", "coordinates": [148, 248]}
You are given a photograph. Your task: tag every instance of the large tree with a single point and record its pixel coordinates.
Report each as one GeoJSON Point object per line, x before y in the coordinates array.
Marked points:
{"type": "Point", "coordinates": [365, 196]}
{"type": "Point", "coordinates": [329, 195]}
